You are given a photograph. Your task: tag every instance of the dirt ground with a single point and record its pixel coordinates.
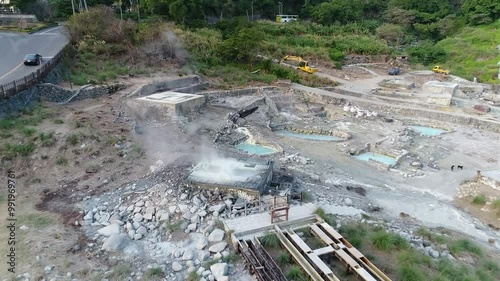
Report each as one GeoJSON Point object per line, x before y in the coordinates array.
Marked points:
{"type": "Point", "coordinates": [111, 153]}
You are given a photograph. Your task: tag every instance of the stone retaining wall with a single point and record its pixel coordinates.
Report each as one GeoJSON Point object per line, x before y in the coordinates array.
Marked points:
{"type": "Point", "coordinates": [416, 112]}
{"type": "Point", "coordinates": [335, 133]}
{"type": "Point", "coordinates": [188, 84]}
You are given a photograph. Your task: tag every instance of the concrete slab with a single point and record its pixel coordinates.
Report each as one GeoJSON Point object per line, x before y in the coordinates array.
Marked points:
{"type": "Point", "coordinates": [177, 102]}
{"type": "Point", "coordinates": [247, 225]}
{"type": "Point", "coordinates": [248, 179]}
{"type": "Point", "coordinates": [437, 87]}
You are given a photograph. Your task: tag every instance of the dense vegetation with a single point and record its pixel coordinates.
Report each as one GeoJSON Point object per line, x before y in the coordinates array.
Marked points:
{"type": "Point", "coordinates": [460, 34]}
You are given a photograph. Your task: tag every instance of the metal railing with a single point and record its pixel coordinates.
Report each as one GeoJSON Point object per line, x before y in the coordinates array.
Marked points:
{"type": "Point", "coordinates": [18, 85]}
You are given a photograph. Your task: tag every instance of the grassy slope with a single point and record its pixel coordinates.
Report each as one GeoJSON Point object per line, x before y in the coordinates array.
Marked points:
{"type": "Point", "coordinates": [473, 53]}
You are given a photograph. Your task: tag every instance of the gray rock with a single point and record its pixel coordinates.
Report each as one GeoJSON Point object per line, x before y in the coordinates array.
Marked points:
{"type": "Point", "coordinates": [201, 243]}
{"type": "Point", "coordinates": [183, 208]}
{"type": "Point", "coordinates": [172, 209]}
{"type": "Point", "coordinates": [131, 234]}
{"type": "Point", "coordinates": [348, 201]}
{"type": "Point", "coordinates": [89, 216]}
{"type": "Point", "coordinates": [203, 255]}
{"type": "Point", "coordinates": [176, 266]}
{"type": "Point", "coordinates": [150, 211]}
{"type": "Point", "coordinates": [164, 216]}
{"type": "Point", "coordinates": [202, 213]}
{"type": "Point", "coordinates": [137, 217]}
{"type": "Point", "coordinates": [115, 242]}
{"type": "Point", "coordinates": [109, 230]}
{"type": "Point", "coordinates": [183, 196]}
{"type": "Point", "coordinates": [164, 202]}
{"type": "Point", "coordinates": [195, 219]}
{"type": "Point", "coordinates": [218, 208]}
{"type": "Point", "coordinates": [217, 256]}
{"type": "Point", "coordinates": [208, 229]}
{"type": "Point", "coordinates": [137, 236]}
{"type": "Point", "coordinates": [139, 203]}
{"type": "Point", "coordinates": [191, 227]}
{"type": "Point", "coordinates": [216, 235]}
{"type": "Point", "coordinates": [137, 210]}
{"type": "Point", "coordinates": [217, 247]}
{"type": "Point", "coordinates": [142, 230]}
{"type": "Point", "coordinates": [188, 255]}
{"type": "Point", "coordinates": [434, 254]}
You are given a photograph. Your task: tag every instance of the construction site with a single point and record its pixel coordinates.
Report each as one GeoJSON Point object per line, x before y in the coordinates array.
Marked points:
{"type": "Point", "coordinates": [223, 172]}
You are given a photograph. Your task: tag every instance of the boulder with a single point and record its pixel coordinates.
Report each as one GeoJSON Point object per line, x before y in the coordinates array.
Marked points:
{"type": "Point", "coordinates": [188, 255]}
{"type": "Point", "coordinates": [217, 247]}
{"type": "Point", "coordinates": [115, 242]}
{"type": "Point", "coordinates": [109, 230]}
{"type": "Point", "coordinates": [219, 270]}
{"type": "Point", "coordinates": [176, 266]}
{"type": "Point", "coordinates": [201, 243]}
{"type": "Point", "coordinates": [216, 235]}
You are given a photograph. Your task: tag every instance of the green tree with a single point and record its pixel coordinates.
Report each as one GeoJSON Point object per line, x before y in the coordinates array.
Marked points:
{"type": "Point", "coordinates": [187, 12]}
{"type": "Point", "coordinates": [400, 16]}
{"type": "Point", "coordinates": [391, 33]}
{"type": "Point", "coordinates": [22, 5]}
{"type": "Point", "coordinates": [481, 11]}
{"type": "Point", "coordinates": [427, 53]}
{"type": "Point", "coordinates": [342, 11]}
{"type": "Point", "coordinates": [242, 46]}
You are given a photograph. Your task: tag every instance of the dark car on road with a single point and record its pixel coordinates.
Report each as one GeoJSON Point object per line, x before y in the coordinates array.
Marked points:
{"type": "Point", "coordinates": [32, 59]}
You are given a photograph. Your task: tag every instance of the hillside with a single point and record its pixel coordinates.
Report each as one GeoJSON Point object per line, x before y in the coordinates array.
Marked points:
{"type": "Point", "coordinates": [474, 52]}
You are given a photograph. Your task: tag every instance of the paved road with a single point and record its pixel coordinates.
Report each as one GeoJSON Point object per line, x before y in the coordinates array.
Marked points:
{"type": "Point", "coordinates": [13, 47]}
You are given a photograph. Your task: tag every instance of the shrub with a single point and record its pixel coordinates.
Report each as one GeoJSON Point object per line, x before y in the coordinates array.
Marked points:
{"type": "Point", "coordinates": [385, 241]}
{"type": "Point", "coordinates": [283, 258]}
{"type": "Point", "coordinates": [495, 204]}
{"type": "Point", "coordinates": [72, 139]}
{"type": "Point", "coordinates": [153, 273]}
{"type": "Point", "coordinates": [47, 139]}
{"type": "Point", "coordinates": [61, 161]}
{"type": "Point", "coordinates": [464, 245]}
{"type": "Point", "coordinates": [192, 276]}
{"type": "Point", "coordinates": [410, 273]}
{"type": "Point", "coordinates": [427, 53]}
{"type": "Point", "coordinates": [479, 200]}
{"type": "Point", "coordinates": [295, 273]}
{"type": "Point", "coordinates": [270, 240]}
{"type": "Point", "coordinates": [336, 55]}
{"type": "Point", "coordinates": [12, 150]}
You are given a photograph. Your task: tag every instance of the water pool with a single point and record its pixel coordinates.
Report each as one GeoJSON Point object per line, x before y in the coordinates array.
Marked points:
{"type": "Point", "coordinates": [427, 131]}
{"type": "Point", "coordinates": [377, 157]}
{"type": "Point", "coordinates": [255, 149]}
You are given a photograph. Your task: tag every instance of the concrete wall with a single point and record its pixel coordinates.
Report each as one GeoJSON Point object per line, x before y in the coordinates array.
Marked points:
{"type": "Point", "coordinates": [15, 19]}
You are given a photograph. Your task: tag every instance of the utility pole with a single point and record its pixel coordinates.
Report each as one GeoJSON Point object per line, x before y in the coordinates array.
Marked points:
{"type": "Point", "coordinates": [85, 3]}
{"type": "Point", "coordinates": [73, 6]}
{"type": "Point", "coordinates": [252, 10]}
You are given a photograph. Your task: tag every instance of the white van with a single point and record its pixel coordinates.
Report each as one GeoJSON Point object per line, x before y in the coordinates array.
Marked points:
{"type": "Point", "coordinates": [286, 18]}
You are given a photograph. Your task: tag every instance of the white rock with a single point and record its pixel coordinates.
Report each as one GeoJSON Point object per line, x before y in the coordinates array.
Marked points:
{"type": "Point", "coordinates": [137, 210]}
{"type": "Point", "coordinates": [219, 247]}
{"type": "Point", "coordinates": [202, 213]}
{"type": "Point", "coordinates": [24, 227]}
{"type": "Point", "coordinates": [219, 270]}
{"type": "Point", "coordinates": [150, 211]}
{"type": "Point", "coordinates": [217, 256]}
{"type": "Point", "coordinates": [131, 234]}
{"type": "Point", "coordinates": [191, 227]}
{"type": "Point", "coordinates": [183, 208]}
{"type": "Point", "coordinates": [139, 203]}
{"type": "Point", "coordinates": [48, 268]}
{"type": "Point", "coordinates": [203, 255]}
{"type": "Point", "coordinates": [114, 242]}
{"type": "Point", "coordinates": [172, 209]}
{"type": "Point", "coordinates": [216, 235]}
{"type": "Point", "coordinates": [164, 202]}
{"type": "Point", "coordinates": [164, 217]}
{"type": "Point", "coordinates": [176, 266]}
{"type": "Point", "coordinates": [109, 230]}
{"type": "Point", "coordinates": [137, 236]}
{"type": "Point", "coordinates": [201, 243]}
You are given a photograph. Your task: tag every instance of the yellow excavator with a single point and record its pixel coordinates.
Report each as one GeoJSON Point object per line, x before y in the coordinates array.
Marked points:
{"type": "Point", "coordinates": [302, 64]}
{"type": "Point", "coordinates": [438, 69]}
